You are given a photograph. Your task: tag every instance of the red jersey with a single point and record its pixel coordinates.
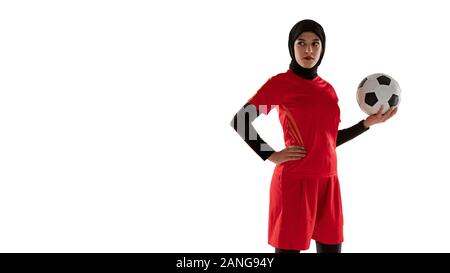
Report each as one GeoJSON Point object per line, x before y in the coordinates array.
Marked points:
{"type": "Point", "coordinates": [309, 115]}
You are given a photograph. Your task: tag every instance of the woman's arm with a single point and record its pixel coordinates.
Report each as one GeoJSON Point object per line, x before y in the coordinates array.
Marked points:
{"type": "Point", "coordinates": [350, 133]}
{"type": "Point", "coordinates": [364, 125]}
{"type": "Point", "coordinates": [242, 123]}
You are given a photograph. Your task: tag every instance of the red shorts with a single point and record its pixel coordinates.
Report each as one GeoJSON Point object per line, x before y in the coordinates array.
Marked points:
{"type": "Point", "coordinates": [304, 207]}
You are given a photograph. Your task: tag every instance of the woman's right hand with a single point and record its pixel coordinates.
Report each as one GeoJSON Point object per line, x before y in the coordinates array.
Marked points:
{"type": "Point", "coordinates": [287, 154]}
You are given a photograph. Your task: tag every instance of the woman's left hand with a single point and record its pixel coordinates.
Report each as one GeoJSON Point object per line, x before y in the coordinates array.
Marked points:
{"type": "Point", "coordinates": [379, 117]}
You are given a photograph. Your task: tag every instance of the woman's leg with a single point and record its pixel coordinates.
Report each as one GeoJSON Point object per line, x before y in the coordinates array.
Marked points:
{"type": "Point", "coordinates": [323, 248]}
{"type": "Point", "coordinates": [280, 250]}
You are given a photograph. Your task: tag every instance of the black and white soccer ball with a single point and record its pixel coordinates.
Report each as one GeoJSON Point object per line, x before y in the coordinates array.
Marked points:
{"type": "Point", "coordinates": [378, 90]}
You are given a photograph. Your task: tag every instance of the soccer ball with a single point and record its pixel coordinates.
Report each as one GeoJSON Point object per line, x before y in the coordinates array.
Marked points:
{"type": "Point", "coordinates": [378, 90]}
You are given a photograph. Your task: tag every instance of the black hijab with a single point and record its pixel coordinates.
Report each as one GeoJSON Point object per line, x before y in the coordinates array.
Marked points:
{"type": "Point", "coordinates": [297, 29]}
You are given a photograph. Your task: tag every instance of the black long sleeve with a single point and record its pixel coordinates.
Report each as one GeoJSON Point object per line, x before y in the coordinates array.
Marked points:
{"type": "Point", "coordinates": [242, 123]}
{"type": "Point", "coordinates": [350, 133]}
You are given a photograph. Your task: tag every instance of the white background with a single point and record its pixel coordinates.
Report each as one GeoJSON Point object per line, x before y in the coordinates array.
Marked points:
{"type": "Point", "coordinates": [115, 136]}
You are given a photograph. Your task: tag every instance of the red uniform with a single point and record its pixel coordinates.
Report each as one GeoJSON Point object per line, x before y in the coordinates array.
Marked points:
{"type": "Point", "coordinates": [305, 199]}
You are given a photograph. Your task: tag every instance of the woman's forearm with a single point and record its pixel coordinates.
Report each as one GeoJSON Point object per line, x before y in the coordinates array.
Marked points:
{"type": "Point", "coordinates": [242, 123]}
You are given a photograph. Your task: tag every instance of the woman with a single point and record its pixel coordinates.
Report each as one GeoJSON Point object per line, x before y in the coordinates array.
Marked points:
{"type": "Point", "coordinates": [305, 201]}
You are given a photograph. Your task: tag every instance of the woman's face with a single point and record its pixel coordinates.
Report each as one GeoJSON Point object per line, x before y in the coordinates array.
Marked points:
{"type": "Point", "coordinates": [307, 49]}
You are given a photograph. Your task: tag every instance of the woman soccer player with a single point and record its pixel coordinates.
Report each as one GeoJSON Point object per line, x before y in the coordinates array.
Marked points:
{"type": "Point", "coordinates": [305, 200]}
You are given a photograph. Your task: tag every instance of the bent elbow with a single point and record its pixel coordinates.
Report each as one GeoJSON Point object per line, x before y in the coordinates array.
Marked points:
{"type": "Point", "coordinates": [233, 122]}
